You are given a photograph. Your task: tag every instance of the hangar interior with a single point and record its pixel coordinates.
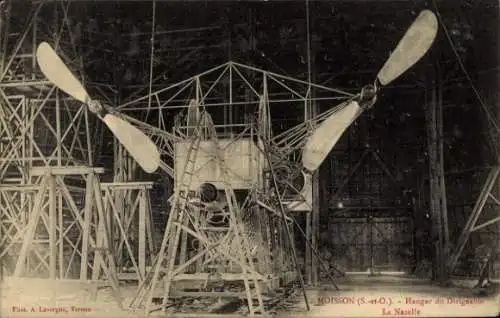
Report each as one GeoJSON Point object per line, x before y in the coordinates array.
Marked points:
{"type": "Point", "coordinates": [246, 157]}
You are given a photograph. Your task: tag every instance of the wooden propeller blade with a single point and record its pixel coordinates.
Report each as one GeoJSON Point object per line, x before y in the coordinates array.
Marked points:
{"type": "Point", "coordinates": [58, 73]}
{"type": "Point", "coordinates": [411, 48]}
{"type": "Point", "coordinates": [140, 146]}
{"type": "Point", "coordinates": [322, 140]}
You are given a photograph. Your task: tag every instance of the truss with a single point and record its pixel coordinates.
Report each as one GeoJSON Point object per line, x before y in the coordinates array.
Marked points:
{"type": "Point", "coordinates": [56, 217]}
{"type": "Point", "coordinates": [241, 94]}
{"type": "Point", "coordinates": [238, 249]}
{"type": "Point", "coordinates": [471, 225]}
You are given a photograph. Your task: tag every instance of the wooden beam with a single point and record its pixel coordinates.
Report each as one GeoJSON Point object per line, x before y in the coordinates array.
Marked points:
{"type": "Point", "coordinates": [20, 187]}
{"type": "Point", "coordinates": [127, 185]}
{"type": "Point", "coordinates": [441, 175]}
{"type": "Point", "coordinates": [86, 227]}
{"type": "Point", "coordinates": [272, 210]}
{"type": "Point", "coordinates": [69, 170]}
{"type": "Point", "coordinates": [31, 228]}
{"type": "Point", "coordinates": [316, 200]}
{"type": "Point", "coordinates": [52, 228]}
{"type": "Point", "coordinates": [308, 250]}
{"type": "Point", "coordinates": [206, 276]}
{"type": "Point", "coordinates": [142, 233]}
{"type": "Point", "coordinates": [315, 214]}
{"type": "Point", "coordinates": [436, 182]}
{"type": "Point", "coordinates": [226, 294]}
{"type": "Point", "coordinates": [471, 222]}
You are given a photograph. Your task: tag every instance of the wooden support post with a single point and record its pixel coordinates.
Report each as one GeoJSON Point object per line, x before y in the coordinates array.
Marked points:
{"type": "Point", "coordinates": [58, 126]}
{"type": "Point", "coordinates": [119, 198]}
{"type": "Point", "coordinates": [142, 232]}
{"type": "Point", "coordinates": [89, 202]}
{"type": "Point", "coordinates": [4, 23]}
{"type": "Point", "coordinates": [496, 137]}
{"type": "Point", "coordinates": [183, 249]}
{"type": "Point", "coordinates": [308, 251]}
{"type": "Point", "coordinates": [31, 228]}
{"type": "Point", "coordinates": [99, 246]}
{"type": "Point", "coordinates": [61, 234]}
{"type": "Point", "coordinates": [316, 202]}
{"type": "Point", "coordinates": [440, 167]}
{"type": "Point", "coordinates": [437, 195]}
{"type": "Point", "coordinates": [370, 227]}
{"type": "Point", "coordinates": [313, 106]}
{"type": "Point", "coordinates": [434, 199]}
{"type": "Point", "coordinates": [199, 263]}
{"type": "Point", "coordinates": [103, 248]}
{"type": "Point", "coordinates": [149, 226]}
{"type": "Point", "coordinates": [52, 228]}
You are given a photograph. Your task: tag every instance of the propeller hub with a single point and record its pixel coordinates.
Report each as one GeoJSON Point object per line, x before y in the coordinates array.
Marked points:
{"type": "Point", "coordinates": [368, 96]}
{"type": "Point", "coordinates": [95, 106]}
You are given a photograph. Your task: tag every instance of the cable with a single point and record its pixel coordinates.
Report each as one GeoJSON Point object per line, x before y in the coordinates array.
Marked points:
{"type": "Point", "coordinates": [308, 45]}
{"type": "Point", "coordinates": [462, 66]}
{"type": "Point", "coordinates": [308, 39]}
{"type": "Point", "coordinates": [151, 64]}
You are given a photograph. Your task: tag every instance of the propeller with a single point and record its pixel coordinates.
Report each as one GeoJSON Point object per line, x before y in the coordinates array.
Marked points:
{"type": "Point", "coordinates": [140, 146]}
{"type": "Point", "coordinates": [321, 142]}
{"type": "Point", "coordinates": [410, 49]}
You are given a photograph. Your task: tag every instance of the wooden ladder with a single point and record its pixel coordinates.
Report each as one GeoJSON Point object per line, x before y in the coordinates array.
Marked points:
{"type": "Point", "coordinates": [170, 239]}
{"type": "Point", "coordinates": [244, 253]}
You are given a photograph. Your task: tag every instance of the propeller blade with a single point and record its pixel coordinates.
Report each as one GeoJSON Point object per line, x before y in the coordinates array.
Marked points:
{"type": "Point", "coordinates": [58, 73]}
{"type": "Point", "coordinates": [322, 140]}
{"type": "Point", "coordinates": [411, 48]}
{"type": "Point", "coordinates": [140, 146]}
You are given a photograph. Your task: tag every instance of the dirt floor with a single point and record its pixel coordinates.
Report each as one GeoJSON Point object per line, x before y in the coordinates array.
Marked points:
{"type": "Point", "coordinates": [359, 296]}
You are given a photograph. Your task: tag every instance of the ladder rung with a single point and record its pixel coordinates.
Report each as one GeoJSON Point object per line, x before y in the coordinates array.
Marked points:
{"type": "Point", "coordinates": [102, 249]}
{"type": "Point", "coordinates": [215, 229]}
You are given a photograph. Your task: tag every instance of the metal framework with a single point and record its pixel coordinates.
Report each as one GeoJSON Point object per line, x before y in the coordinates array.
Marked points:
{"type": "Point", "coordinates": [232, 87]}
{"type": "Point", "coordinates": [213, 261]}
